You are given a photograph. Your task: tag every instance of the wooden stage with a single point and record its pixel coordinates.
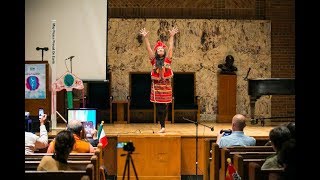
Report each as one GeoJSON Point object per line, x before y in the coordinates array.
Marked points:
{"type": "Point", "coordinates": [169, 155]}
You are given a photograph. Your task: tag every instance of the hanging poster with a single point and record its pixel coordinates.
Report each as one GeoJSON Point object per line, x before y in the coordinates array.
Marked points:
{"type": "Point", "coordinates": [35, 81]}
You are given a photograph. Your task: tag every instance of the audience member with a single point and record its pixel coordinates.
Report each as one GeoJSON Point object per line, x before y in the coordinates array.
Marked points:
{"type": "Point", "coordinates": [287, 158]}
{"type": "Point", "coordinates": [277, 136]}
{"type": "Point", "coordinates": [81, 145]}
{"type": "Point", "coordinates": [94, 141]}
{"type": "Point", "coordinates": [237, 137]}
{"type": "Point", "coordinates": [33, 142]}
{"type": "Point", "coordinates": [292, 128]}
{"type": "Point", "coordinates": [63, 145]}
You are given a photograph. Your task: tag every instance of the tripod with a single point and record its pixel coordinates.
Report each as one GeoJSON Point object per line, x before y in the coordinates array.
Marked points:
{"type": "Point", "coordinates": [197, 123]}
{"type": "Point", "coordinates": [127, 166]}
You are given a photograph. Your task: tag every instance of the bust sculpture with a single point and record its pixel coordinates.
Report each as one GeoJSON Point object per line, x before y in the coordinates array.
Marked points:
{"type": "Point", "coordinates": [228, 67]}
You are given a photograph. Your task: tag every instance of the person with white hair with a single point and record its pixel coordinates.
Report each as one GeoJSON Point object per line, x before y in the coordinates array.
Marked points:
{"type": "Point", "coordinates": [81, 145]}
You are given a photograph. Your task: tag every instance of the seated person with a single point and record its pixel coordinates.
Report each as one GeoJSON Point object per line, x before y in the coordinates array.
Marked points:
{"type": "Point", "coordinates": [277, 136]}
{"type": "Point", "coordinates": [287, 158]}
{"type": "Point", "coordinates": [292, 128]}
{"type": "Point", "coordinates": [94, 140]}
{"type": "Point", "coordinates": [90, 133]}
{"type": "Point", "coordinates": [33, 142]}
{"type": "Point", "coordinates": [63, 145]}
{"type": "Point", "coordinates": [81, 145]}
{"type": "Point", "coordinates": [237, 137]}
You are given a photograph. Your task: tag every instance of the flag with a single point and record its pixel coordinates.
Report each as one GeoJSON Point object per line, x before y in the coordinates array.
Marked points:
{"type": "Point", "coordinates": [102, 136]}
{"type": "Point", "coordinates": [231, 173]}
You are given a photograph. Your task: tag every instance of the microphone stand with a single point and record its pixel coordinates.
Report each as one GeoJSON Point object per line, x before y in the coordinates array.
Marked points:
{"type": "Point", "coordinates": [71, 64]}
{"type": "Point", "coordinates": [42, 49]}
{"type": "Point", "coordinates": [197, 123]}
{"type": "Point", "coordinates": [42, 54]}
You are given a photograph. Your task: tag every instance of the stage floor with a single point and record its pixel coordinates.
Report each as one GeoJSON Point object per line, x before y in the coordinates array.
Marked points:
{"type": "Point", "coordinates": [180, 129]}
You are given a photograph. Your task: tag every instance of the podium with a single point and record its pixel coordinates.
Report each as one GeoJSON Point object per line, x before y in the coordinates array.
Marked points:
{"type": "Point", "coordinates": [227, 97]}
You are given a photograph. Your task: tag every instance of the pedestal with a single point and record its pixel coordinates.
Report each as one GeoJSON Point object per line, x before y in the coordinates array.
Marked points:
{"type": "Point", "coordinates": [227, 97]}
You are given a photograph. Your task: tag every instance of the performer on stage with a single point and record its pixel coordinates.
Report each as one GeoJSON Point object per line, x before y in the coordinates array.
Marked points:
{"type": "Point", "coordinates": [161, 74]}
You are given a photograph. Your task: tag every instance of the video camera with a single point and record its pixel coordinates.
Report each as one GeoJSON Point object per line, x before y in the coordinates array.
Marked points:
{"type": "Point", "coordinates": [127, 146]}
{"type": "Point", "coordinates": [227, 132]}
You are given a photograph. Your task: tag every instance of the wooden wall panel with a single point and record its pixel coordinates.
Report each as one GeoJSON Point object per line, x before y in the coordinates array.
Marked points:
{"type": "Point", "coordinates": [188, 156]}
{"type": "Point", "coordinates": [154, 157]}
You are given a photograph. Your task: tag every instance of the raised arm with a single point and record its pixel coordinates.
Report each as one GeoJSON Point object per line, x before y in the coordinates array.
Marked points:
{"type": "Point", "coordinates": [172, 32]}
{"type": "Point", "coordinates": [144, 33]}
{"type": "Point", "coordinates": [42, 140]}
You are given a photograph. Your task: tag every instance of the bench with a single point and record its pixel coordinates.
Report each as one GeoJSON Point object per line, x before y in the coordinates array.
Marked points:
{"type": "Point", "coordinates": [72, 156]}
{"type": "Point", "coordinates": [241, 161]}
{"type": "Point", "coordinates": [255, 172]}
{"type": "Point", "coordinates": [214, 164]}
{"type": "Point", "coordinates": [76, 160]}
{"type": "Point", "coordinates": [228, 152]}
{"type": "Point", "coordinates": [61, 175]}
{"type": "Point", "coordinates": [74, 165]}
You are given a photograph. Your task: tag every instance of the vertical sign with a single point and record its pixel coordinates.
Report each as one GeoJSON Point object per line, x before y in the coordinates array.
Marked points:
{"type": "Point", "coordinates": [53, 76]}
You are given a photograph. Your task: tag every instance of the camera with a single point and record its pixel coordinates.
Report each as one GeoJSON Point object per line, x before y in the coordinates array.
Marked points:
{"type": "Point", "coordinates": [127, 146]}
{"type": "Point", "coordinates": [227, 132]}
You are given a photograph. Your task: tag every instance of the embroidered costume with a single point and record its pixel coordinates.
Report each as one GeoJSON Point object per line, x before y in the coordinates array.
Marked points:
{"type": "Point", "coordinates": [161, 89]}
{"type": "Point", "coordinates": [161, 75]}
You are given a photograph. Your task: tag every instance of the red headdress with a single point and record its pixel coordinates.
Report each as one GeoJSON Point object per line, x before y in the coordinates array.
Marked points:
{"type": "Point", "coordinates": [158, 44]}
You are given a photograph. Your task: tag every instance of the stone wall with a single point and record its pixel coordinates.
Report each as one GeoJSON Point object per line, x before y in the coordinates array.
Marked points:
{"type": "Point", "coordinates": [200, 46]}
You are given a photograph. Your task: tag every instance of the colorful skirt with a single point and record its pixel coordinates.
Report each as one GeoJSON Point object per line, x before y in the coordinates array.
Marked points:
{"type": "Point", "coordinates": [161, 91]}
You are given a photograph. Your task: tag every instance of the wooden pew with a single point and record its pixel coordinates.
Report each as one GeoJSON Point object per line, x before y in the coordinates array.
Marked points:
{"type": "Point", "coordinates": [214, 162]}
{"type": "Point", "coordinates": [227, 152]}
{"type": "Point", "coordinates": [75, 160]}
{"type": "Point", "coordinates": [61, 175]}
{"type": "Point", "coordinates": [76, 165]}
{"type": "Point", "coordinates": [99, 154]}
{"type": "Point", "coordinates": [255, 172]}
{"type": "Point", "coordinates": [73, 164]}
{"type": "Point", "coordinates": [241, 161]}
{"type": "Point", "coordinates": [207, 158]}
{"type": "Point", "coordinates": [72, 156]}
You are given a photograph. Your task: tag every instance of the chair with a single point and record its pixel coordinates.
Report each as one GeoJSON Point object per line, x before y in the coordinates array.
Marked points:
{"type": "Point", "coordinates": [185, 103]}
{"type": "Point", "coordinates": [141, 110]}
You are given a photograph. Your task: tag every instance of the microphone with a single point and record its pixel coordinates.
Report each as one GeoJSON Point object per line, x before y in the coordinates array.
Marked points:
{"type": "Point", "coordinates": [246, 78]}
{"type": "Point", "coordinates": [70, 57]}
{"type": "Point", "coordinates": [44, 48]}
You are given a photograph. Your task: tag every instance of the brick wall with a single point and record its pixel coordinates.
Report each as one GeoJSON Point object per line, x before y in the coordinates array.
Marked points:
{"type": "Point", "coordinates": [282, 16]}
